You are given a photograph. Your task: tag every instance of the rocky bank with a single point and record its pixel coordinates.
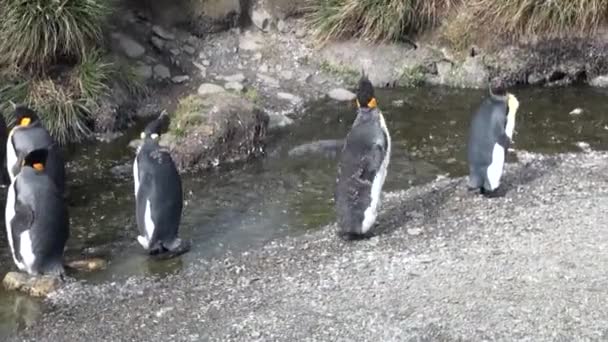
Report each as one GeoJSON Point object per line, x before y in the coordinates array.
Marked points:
{"type": "Point", "coordinates": [445, 265]}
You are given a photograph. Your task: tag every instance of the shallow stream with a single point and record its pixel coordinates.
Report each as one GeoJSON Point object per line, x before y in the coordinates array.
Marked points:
{"type": "Point", "coordinates": [243, 206]}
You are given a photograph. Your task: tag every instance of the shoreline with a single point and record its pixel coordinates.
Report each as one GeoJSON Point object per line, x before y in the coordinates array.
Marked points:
{"type": "Point", "coordinates": [445, 265]}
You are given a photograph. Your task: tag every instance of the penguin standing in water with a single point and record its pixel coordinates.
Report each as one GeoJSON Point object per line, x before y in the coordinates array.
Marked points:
{"type": "Point", "coordinates": [36, 218]}
{"type": "Point", "coordinates": [362, 166]}
{"type": "Point", "coordinates": [158, 194]}
{"type": "Point", "coordinates": [491, 134]}
{"type": "Point", "coordinates": [28, 135]}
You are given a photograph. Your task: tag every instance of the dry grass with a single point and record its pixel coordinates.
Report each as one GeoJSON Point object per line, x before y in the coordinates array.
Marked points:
{"type": "Point", "coordinates": [376, 20]}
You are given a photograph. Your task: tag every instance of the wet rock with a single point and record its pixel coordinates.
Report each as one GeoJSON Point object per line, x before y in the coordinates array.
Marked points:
{"type": "Point", "coordinates": [234, 78]}
{"type": "Point", "coordinates": [40, 286]}
{"type": "Point", "coordinates": [180, 79]}
{"type": "Point", "coordinates": [341, 94]}
{"type": "Point", "coordinates": [209, 88]}
{"type": "Point", "coordinates": [161, 72]}
{"type": "Point", "coordinates": [130, 47]}
{"type": "Point", "coordinates": [289, 97]}
{"type": "Point", "coordinates": [215, 15]}
{"type": "Point", "coordinates": [162, 33]}
{"type": "Point", "coordinates": [278, 120]}
{"type": "Point", "coordinates": [88, 265]}
{"type": "Point", "coordinates": [158, 43]}
{"type": "Point", "coordinates": [144, 71]}
{"type": "Point", "coordinates": [189, 49]}
{"type": "Point", "coordinates": [215, 128]}
{"type": "Point", "coordinates": [251, 41]}
{"type": "Point", "coordinates": [599, 81]}
{"type": "Point", "coordinates": [236, 86]}
{"type": "Point", "coordinates": [268, 80]}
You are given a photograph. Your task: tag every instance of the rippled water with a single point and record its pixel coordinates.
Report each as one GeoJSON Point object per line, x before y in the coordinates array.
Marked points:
{"type": "Point", "coordinates": [246, 205]}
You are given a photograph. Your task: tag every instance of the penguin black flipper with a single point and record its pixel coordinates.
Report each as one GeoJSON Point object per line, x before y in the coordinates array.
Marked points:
{"type": "Point", "coordinates": [372, 161]}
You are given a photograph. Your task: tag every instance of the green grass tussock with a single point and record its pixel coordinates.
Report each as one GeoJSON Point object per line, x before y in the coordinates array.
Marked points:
{"type": "Point", "coordinates": [37, 33]}
{"type": "Point", "coordinates": [374, 19]}
{"type": "Point", "coordinates": [461, 20]}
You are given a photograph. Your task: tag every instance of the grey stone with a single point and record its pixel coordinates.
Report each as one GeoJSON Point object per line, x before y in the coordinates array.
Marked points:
{"type": "Point", "coordinates": [599, 81]}
{"type": "Point", "coordinates": [535, 78]}
{"type": "Point", "coordinates": [289, 97]}
{"type": "Point", "coordinates": [263, 68]}
{"type": "Point", "coordinates": [287, 74]}
{"type": "Point", "coordinates": [130, 47]}
{"type": "Point", "coordinates": [201, 68]}
{"type": "Point", "coordinates": [206, 62]}
{"type": "Point", "coordinates": [157, 43]}
{"type": "Point", "coordinates": [144, 71]}
{"type": "Point", "coordinates": [234, 86]}
{"type": "Point", "coordinates": [209, 88]}
{"type": "Point", "coordinates": [189, 49]}
{"type": "Point", "coordinates": [162, 72]}
{"type": "Point", "coordinates": [277, 120]}
{"type": "Point", "coordinates": [174, 52]}
{"type": "Point", "coordinates": [257, 56]}
{"type": "Point", "coordinates": [163, 33]}
{"type": "Point", "coordinates": [251, 41]}
{"type": "Point", "coordinates": [340, 94]}
{"type": "Point", "coordinates": [180, 78]}
{"type": "Point", "coordinates": [301, 32]}
{"type": "Point", "coordinates": [261, 19]}
{"type": "Point", "coordinates": [268, 80]}
{"type": "Point", "coordinates": [234, 78]}
{"type": "Point", "coordinates": [282, 26]}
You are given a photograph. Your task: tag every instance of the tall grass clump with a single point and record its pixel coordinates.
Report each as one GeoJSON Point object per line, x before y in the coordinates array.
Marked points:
{"type": "Point", "coordinates": [543, 18]}
{"type": "Point", "coordinates": [34, 34]}
{"type": "Point", "coordinates": [377, 20]}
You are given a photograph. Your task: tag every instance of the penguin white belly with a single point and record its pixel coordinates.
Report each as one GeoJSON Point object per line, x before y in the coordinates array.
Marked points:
{"type": "Point", "coordinates": [136, 176]}
{"type": "Point", "coordinates": [9, 214]}
{"type": "Point", "coordinates": [494, 171]}
{"type": "Point", "coordinates": [144, 241]}
{"type": "Point", "coordinates": [26, 251]}
{"type": "Point", "coordinates": [371, 213]}
{"type": "Point", "coordinates": [11, 155]}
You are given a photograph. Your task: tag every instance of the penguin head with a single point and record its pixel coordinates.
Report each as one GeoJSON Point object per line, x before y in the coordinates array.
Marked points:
{"type": "Point", "coordinates": [154, 129]}
{"type": "Point", "coordinates": [365, 94]}
{"type": "Point", "coordinates": [36, 159]}
{"type": "Point", "coordinates": [25, 116]}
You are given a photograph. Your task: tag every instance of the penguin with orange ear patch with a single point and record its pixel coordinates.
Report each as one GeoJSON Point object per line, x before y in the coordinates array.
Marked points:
{"type": "Point", "coordinates": [362, 167]}
{"type": "Point", "coordinates": [29, 135]}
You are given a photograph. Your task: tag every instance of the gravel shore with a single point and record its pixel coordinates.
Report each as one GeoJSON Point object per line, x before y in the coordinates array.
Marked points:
{"type": "Point", "coordinates": [446, 265]}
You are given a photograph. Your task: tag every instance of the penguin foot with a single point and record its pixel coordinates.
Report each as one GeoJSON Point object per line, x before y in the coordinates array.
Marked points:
{"type": "Point", "coordinates": [170, 250]}
{"type": "Point", "coordinates": [348, 236]}
{"type": "Point", "coordinates": [496, 193]}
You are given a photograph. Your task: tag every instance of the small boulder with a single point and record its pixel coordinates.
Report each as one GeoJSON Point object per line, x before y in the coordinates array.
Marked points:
{"type": "Point", "coordinates": [180, 79]}
{"type": "Point", "coordinates": [236, 86]}
{"type": "Point", "coordinates": [144, 71]}
{"type": "Point", "coordinates": [234, 78]}
{"type": "Point", "coordinates": [161, 72]}
{"type": "Point", "coordinates": [268, 80]}
{"type": "Point", "coordinates": [340, 94]}
{"type": "Point", "coordinates": [599, 81]}
{"type": "Point", "coordinates": [289, 97]}
{"type": "Point", "coordinates": [209, 88]}
{"type": "Point", "coordinates": [215, 128]}
{"type": "Point", "coordinates": [40, 286]}
{"type": "Point", "coordinates": [161, 32]}
{"type": "Point", "coordinates": [158, 43]}
{"type": "Point", "coordinates": [278, 120]}
{"type": "Point", "coordinates": [88, 265]}
{"type": "Point", "coordinates": [189, 49]}
{"type": "Point", "coordinates": [130, 47]}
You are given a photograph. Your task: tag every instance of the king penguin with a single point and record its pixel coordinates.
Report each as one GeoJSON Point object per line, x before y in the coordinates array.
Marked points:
{"type": "Point", "coordinates": [491, 134]}
{"type": "Point", "coordinates": [28, 135]}
{"type": "Point", "coordinates": [158, 194]}
{"type": "Point", "coordinates": [36, 218]}
{"type": "Point", "coordinates": [362, 166]}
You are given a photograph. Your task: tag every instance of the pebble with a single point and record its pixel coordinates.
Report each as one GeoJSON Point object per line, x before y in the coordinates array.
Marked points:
{"type": "Point", "coordinates": [287, 74]}
{"type": "Point", "coordinates": [161, 71]}
{"type": "Point", "coordinates": [180, 78]}
{"type": "Point", "coordinates": [130, 47]}
{"type": "Point", "coordinates": [209, 88]}
{"type": "Point", "coordinates": [206, 62]}
{"type": "Point", "coordinates": [414, 231]}
{"type": "Point", "coordinates": [189, 49]}
{"type": "Point", "coordinates": [157, 43]}
{"type": "Point", "coordinates": [576, 111]}
{"type": "Point", "coordinates": [282, 26]}
{"type": "Point", "coordinates": [301, 33]}
{"type": "Point", "coordinates": [174, 52]}
{"type": "Point", "coordinates": [269, 81]}
{"type": "Point", "coordinates": [341, 94]}
{"type": "Point", "coordinates": [234, 78]}
{"type": "Point", "coordinates": [289, 97]}
{"type": "Point", "coordinates": [234, 86]}
{"type": "Point", "coordinates": [257, 56]}
{"type": "Point", "coordinates": [263, 68]}
{"type": "Point", "coordinates": [161, 32]}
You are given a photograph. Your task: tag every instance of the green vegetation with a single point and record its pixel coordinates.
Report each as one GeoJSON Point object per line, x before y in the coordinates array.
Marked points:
{"type": "Point", "coordinates": [188, 114]}
{"type": "Point", "coordinates": [462, 20]}
{"type": "Point", "coordinates": [52, 59]}
{"type": "Point", "coordinates": [350, 76]}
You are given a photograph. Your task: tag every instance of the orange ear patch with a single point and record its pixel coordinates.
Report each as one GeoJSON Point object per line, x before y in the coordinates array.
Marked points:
{"type": "Point", "coordinates": [25, 121]}
{"type": "Point", "coordinates": [38, 166]}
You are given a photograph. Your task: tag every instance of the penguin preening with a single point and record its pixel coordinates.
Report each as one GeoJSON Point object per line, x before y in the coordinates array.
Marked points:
{"type": "Point", "coordinates": [28, 135]}
{"type": "Point", "coordinates": [158, 194]}
{"type": "Point", "coordinates": [36, 218]}
{"type": "Point", "coordinates": [491, 134]}
{"type": "Point", "coordinates": [362, 166]}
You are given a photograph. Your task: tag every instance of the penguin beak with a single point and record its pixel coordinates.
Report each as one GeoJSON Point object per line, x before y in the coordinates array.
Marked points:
{"type": "Point", "coordinates": [38, 166]}
{"type": "Point", "coordinates": [25, 122]}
